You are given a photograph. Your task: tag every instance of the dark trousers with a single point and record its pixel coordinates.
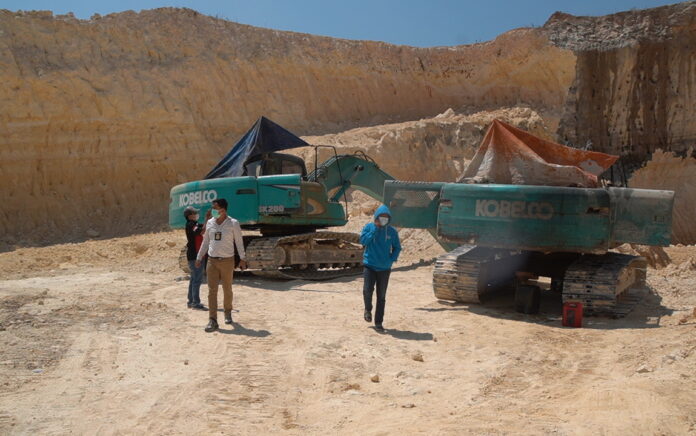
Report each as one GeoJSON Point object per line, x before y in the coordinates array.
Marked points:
{"type": "Point", "coordinates": [195, 283]}
{"type": "Point", "coordinates": [370, 279]}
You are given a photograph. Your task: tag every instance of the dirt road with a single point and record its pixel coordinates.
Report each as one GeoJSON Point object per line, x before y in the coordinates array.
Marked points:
{"type": "Point", "coordinates": [96, 338]}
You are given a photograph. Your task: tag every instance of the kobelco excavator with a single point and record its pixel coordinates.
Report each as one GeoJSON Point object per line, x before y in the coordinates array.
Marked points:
{"type": "Point", "coordinates": [273, 193]}
{"type": "Point", "coordinates": [509, 230]}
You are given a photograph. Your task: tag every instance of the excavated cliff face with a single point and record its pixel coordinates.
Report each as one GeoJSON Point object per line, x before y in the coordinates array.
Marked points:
{"type": "Point", "coordinates": [667, 171]}
{"type": "Point", "coordinates": [100, 118]}
{"type": "Point", "coordinates": [635, 85]}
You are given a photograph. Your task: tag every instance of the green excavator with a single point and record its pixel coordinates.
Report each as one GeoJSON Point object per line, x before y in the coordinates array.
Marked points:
{"type": "Point", "coordinates": [274, 194]}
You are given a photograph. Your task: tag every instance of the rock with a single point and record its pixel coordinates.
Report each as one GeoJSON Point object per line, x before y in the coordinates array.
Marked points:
{"type": "Point", "coordinates": [643, 369]}
{"type": "Point", "coordinates": [446, 114]}
{"type": "Point", "coordinates": [186, 362]}
{"type": "Point", "coordinates": [92, 233]}
{"type": "Point", "coordinates": [418, 357]}
{"type": "Point", "coordinates": [375, 378]}
{"type": "Point", "coordinates": [171, 243]}
{"type": "Point", "coordinates": [37, 371]}
{"type": "Point", "coordinates": [669, 359]}
{"type": "Point", "coordinates": [408, 406]}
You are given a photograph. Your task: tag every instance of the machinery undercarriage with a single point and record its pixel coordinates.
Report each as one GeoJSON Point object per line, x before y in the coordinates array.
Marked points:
{"type": "Point", "coordinates": [606, 284]}
{"type": "Point", "coordinates": [308, 256]}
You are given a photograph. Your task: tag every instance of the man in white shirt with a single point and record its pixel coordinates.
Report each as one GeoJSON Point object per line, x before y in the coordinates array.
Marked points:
{"type": "Point", "coordinates": [221, 235]}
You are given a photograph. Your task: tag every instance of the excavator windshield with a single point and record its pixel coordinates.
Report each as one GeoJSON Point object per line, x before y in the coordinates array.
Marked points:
{"type": "Point", "coordinates": [269, 164]}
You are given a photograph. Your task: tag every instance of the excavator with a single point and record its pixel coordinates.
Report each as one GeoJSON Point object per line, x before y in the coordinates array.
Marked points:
{"type": "Point", "coordinates": [527, 208]}
{"type": "Point", "coordinates": [273, 194]}
{"type": "Point", "coordinates": [498, 233]}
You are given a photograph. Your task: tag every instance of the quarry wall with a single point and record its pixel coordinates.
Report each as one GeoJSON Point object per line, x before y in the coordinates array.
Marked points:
{"type": "Point", "coordinates": [99, 118]}
{"type": "Point", "coordinates": [635, 85]}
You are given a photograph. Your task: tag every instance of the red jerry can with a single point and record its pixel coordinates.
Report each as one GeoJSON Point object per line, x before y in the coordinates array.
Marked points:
{"type": "Point", "coordinates": [572, 314]}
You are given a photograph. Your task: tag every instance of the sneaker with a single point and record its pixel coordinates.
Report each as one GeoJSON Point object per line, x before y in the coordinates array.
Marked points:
{"type": "Point", "coordinates": [198, 306]}
{"type": "Point", "coordinates": [379, 328]}
{"type": "Point", "coordinates": [228, 317]}
{"type": "Point", "coordinates": [368, 316]}
{"type": "Point", "coordinates": [189, 305]}
{"type": "Point", "coordinates": [212, 326]}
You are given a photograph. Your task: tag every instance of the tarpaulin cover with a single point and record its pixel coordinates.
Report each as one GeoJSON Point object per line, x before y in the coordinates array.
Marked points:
{"type": "Point", "coordinates": [508, 155]}
{"type": "Point", "coordinates": [264, 137]}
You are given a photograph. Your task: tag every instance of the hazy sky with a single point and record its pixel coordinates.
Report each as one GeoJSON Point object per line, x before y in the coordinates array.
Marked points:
{"type": "Point", "coordinates": [421, 23]}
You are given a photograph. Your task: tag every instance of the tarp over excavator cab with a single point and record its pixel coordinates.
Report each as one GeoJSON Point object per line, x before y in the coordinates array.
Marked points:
{"type": "Point", "coordinates": [265, 136]}
{"type": "Point", "coordinates": [511, 156]}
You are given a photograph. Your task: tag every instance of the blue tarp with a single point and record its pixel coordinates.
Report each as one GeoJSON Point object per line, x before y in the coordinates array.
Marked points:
{"type": "Point", "coordinates": [264, 137]}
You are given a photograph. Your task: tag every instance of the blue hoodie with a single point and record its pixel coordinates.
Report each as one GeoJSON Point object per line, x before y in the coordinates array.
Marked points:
{"type": "Point", "coordinates": [381, 244]}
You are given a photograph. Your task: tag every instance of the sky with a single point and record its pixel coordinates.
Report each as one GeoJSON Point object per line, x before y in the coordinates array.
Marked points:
{"type": "Point", "coordinates": [421, 23]}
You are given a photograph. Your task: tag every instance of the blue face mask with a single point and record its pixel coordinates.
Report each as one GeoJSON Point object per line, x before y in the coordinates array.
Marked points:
{"type": "Point", "coordinates": [215, 213]}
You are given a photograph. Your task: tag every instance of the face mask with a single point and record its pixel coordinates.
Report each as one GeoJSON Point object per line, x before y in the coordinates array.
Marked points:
{"type": "Point", "coordinates": [383, 221]}
{"type": "Point", "coordinates": [215, 213]}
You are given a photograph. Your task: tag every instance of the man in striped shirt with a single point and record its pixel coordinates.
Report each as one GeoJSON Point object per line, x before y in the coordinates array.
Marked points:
{"type": "Point", "coordinates": [222, 234]}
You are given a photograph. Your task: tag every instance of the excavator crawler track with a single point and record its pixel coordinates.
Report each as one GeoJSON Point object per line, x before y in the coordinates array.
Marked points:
{"type": "Point", "coordinates": [466, 273]}
{"type": "Point", "coordinates": [607, 284]}
{"type": "Point", "coordinates": [307, 256]}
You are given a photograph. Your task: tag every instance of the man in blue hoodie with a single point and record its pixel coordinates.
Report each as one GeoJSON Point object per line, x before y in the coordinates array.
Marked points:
{"type": "Point", "coordinates": [382, 248]}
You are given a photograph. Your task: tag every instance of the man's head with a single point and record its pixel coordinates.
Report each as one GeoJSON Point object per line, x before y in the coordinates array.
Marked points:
{"type": "Point", "coordinates": [191, 213]}
{"type": "Point", "coordinates": [220, 205]}
{"type": "Point", "coordinates": [382, 216]}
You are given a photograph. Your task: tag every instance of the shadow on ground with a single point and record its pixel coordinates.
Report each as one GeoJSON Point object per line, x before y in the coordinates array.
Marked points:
{"type": "Point", "coordinates": [646, 314]}
{"type": "Point", "coordinates": [409, 335]}
{"type": "Point", "coordinates": [238, 329]}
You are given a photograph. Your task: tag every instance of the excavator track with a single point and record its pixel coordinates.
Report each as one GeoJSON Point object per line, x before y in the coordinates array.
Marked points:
{"type": "Point", "coordinates": [456, 275]}
{"type": "Point", "coordinates": [307, 256]}
{"type": "Point", "coordinates": [606, 284]}
{"type": "Point", "coordinates": [466, 273]}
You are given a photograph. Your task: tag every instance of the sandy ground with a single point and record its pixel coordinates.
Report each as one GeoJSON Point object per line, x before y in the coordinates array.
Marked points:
{"type": "Point", "coordinates": [96, 338]}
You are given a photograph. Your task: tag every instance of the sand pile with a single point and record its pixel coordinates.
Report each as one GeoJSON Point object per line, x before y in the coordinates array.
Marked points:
{"type": "Point", "coordinates": [430, 149]}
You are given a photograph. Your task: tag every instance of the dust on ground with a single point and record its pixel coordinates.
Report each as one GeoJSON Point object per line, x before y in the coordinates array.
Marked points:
{"type": "Point", "coordinates": [96, 338]}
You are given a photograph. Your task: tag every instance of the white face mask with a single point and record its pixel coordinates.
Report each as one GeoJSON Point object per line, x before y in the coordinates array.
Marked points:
{"type": "Point", "coordinates": [383, 220]}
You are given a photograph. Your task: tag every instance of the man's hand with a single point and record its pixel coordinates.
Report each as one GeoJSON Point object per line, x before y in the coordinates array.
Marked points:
{"type": "Point", "coordinates": [208, 214]}
{"type": "Point", "coordinates": [242, 265]}
{"type": "Point", "coordinates": [198, 263]}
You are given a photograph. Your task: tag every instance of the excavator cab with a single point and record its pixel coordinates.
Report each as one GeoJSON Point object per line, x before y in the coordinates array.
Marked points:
{"type": "Point", "coordinates": [271, 164]}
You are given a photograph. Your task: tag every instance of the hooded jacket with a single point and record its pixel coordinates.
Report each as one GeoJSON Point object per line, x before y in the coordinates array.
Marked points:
{"type": "Point", "coordinates": [382, 246]}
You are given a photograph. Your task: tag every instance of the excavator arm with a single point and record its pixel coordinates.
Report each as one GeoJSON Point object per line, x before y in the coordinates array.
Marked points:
{"type": "Point", "coordinates": [357, 171]}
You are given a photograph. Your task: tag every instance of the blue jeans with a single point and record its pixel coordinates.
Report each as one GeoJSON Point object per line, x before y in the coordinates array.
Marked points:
{"type": "Point", "coordinates": [381, 279]}
{"type": "Point", "coordinates": [195, 283]}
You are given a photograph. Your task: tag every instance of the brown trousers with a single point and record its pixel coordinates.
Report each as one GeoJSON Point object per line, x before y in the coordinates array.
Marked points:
{"type": "Point", "coordinates": [219, 271]}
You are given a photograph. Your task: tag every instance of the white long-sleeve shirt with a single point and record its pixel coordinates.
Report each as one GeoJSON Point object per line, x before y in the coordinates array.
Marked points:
{"type": "Point", "coordinates": [219, 240]}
